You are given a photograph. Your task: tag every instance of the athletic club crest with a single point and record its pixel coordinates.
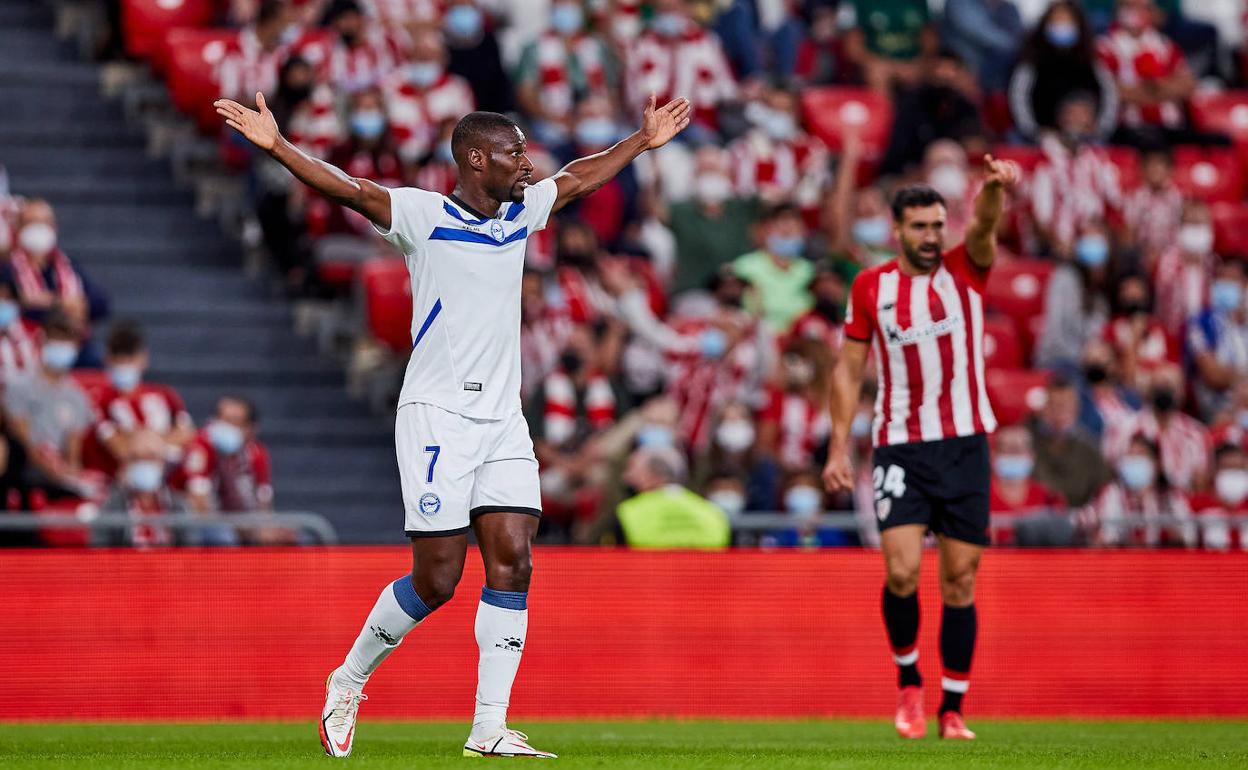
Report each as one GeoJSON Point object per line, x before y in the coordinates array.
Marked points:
{"type": "Point", "coordinates": [496, 230]}
{"type": "Point", "coordinates": [430, 504]}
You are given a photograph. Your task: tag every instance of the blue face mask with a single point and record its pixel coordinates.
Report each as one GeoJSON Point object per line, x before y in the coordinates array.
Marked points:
{"type": "Point", "coordinates": [595, 132]}
{"type": "Point", "coordinates": [1013, 467]}
{"type": "Point", "coordinates": [872, 231]}
{"type": "Point", "coordinates": [145, 475]}
{"type": "Point", "coordinates": [59, 356]}
{"type": "Point", "coordinates": [1226, 296]}
{"type": "Point", "coordinates": [9, 312]}
{"type": "Point", "coordinates": [566, 18]}
{"type": "Point", "coordinates": [1092, 250]}
{"type": "Point", "coordinates": [463, 21]}
{"type": "Point", "coordinates": [1136, 472]}
{"type": "Point", "coordinates": [368, 124]}
{"type": "Point", "coordinates": [786, 246]}
{"type": "Point", "coordinates": [803, 501]}
{"type": "Point", "coordinates": [1062, 35]}
{"type": "Point", "coordinates": [669, 24]}
{"type": "Point", "coordinates": [861, 425]}
{"type": "Point", "coordinates": [424, 73]}
{"type": "Point", "coordinates": [655, 436]}
{"type": "Point", "coordinates": [224, 437]}
{"type": "Point", "coordinates": [714, 344]}
{"type": "Point", "coordinates": [125, 377]}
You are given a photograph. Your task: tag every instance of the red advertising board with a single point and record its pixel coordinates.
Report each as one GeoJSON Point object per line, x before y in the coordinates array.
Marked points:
{"type": "Point", "coordinates": [197, 634]}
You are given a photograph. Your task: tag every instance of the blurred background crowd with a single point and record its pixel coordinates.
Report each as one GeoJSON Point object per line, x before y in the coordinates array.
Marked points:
{"type": "Point", "coordinates": [680, 324]}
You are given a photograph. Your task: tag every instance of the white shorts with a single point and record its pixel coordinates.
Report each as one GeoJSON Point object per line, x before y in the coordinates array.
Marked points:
{"type": "Point", "coordinates": [454, 468]}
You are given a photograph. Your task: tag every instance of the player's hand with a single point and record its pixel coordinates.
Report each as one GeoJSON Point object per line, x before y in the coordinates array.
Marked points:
{"type": "Point", "coordinates": [260, 128]}
{"type": "Point", "coordinates": [658, 126]}
{"type": "Point", "coordinates": [1001, 173]}
{"type": "Point", "coordinates": [838, 474]}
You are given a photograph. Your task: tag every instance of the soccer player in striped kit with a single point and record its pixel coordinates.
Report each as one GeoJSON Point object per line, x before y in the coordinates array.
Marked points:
{"type": "Point", "coordinates": [922, 316]}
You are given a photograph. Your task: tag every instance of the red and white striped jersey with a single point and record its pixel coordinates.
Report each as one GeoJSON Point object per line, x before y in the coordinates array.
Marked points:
{"type": "Point", "coordinates": [795, 170]}
{"type": "Point", "coordinates": [801, 425]}
{"type": "Point", "coordinates": [565, 71]}
{"type": "Point", "coordinates": [1184, 443]}
{"type": "Point", "coordinates": [415, 113]}
{"type": "Point", "coordinates": [397, 13]}
{"type": "Point", "coordinates": [1068, 190]}
{"type": "Point", "coordinates": [927, 336]}
{"type": "Point", "coordinates": [20, 350]}
{"type": "Point", "coordinates": [350, 68]}
{"type": "Point", "coordinates": [154, 407]}
{"type": "Point", "coordinates": [247, 67]}
{"type": "Point", "coordinates": [1135, 60]}
{"type": "Point", "coordinates": [314, 126]}
{"type": "Point", "coordinates": [693, 66]}
{"type": "Point", "coordinates": [1180, 288]}
{"type": "Point", "coordinates": [1154, 217]}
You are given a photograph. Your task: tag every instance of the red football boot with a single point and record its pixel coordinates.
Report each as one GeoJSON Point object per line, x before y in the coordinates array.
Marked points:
{"type": "Point", "coordinates": [910, 722]}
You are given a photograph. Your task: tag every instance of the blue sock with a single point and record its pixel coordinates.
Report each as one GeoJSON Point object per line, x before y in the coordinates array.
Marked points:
{"type": "Point", "coordinates": [508, 600]}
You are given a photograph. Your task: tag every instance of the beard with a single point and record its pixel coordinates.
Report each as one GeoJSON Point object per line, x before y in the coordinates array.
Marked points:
{"type": "Point", "coordinates": [921, 258]}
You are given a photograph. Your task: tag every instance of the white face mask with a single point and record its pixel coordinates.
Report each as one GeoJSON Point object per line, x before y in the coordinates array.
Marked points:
{"type": "Point", "coordinates": [37, 239]}
{"type": "Point", "coordinates": [730, 501]}
{"type": "Point", "coordinates": [712, 188]}
{"type": "Point", "coordinates": [1196, 239]}
{"type": "Point", "coordinates": [1231, 486]}
{"type": "Point", "coordinates": [735, 435]}
{"type": "Point", "coordinates": [950, 181]}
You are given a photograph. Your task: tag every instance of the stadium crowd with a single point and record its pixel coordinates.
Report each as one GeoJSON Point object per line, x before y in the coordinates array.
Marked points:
{"type": "Point", "coordinates": [680, 324]}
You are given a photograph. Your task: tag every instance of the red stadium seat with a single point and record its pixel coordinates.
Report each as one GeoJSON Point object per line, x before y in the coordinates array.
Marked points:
{"type": "Point", "coordinates": [193, 55]}
{"type": "Point", "coordinates": [388, 302]}
{"type": "Point", "coordinates": [1003, 345]}
{"type": "Point", "coordinates": [1230, 228]}
{"type": "Point", "coordinates": [1024, 155]}
{"type": "Point", "coordinates": [1016, 393]}
{"type": "Point", "coordinates": [1016, 289]}
{"type": "Point", "coordinates": [1128, 162]}
{"type": "Point", "coordinates": [144, 22]}
{"type": "Point", "coordinates": [1224, 112]}
{"type": "Point", "coordinates": [830, 112]}
{"type": "Point", "coordinates": [1213, 174]}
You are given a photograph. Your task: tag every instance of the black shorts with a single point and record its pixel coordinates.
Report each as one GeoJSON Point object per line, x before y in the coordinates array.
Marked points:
{"type": "Point", "coordinates": [941, 484]}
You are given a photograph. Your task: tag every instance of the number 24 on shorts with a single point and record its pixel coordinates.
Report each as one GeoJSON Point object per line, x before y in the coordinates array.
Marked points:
{"type": "Point", "coordinates": [889, 481]}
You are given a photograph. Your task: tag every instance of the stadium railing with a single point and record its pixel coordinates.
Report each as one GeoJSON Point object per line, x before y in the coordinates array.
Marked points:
{"type": "Point", "coordinates": [303, 521]}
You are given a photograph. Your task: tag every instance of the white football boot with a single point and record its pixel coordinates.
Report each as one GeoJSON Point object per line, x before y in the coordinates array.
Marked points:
{"type": "Point", "coordinates": [338, 718]}
{"type": "Point", "coordinates": [508, 743]}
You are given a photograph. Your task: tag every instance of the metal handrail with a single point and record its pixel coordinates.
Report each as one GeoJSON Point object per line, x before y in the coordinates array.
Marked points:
{"type": "Point", "coordinates": [315, 523]}
{"type": "Point", "coordinates": [757, 521]}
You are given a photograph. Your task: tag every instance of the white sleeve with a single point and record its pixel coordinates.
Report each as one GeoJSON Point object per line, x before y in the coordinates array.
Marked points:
{"type": "Point", "coordinates": [413, 212]}
{"type": "Point", "coordinates": [539, 199]}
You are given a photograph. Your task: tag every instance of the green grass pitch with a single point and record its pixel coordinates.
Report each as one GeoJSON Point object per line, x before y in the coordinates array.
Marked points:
{"type": "Point", "coordinates": [629, 745]}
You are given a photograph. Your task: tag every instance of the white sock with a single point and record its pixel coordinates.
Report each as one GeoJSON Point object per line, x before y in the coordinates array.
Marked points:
{"type": "Point", "coordinates": [398, 610]}
{"type": "Point", "coordinates": [502, 622]}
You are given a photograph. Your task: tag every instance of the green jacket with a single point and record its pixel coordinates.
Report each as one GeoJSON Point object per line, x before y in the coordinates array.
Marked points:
{"type": "Point", "coordinates": [673, 517]}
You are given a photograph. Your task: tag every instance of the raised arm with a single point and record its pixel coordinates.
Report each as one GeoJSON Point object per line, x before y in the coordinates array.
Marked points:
{"type": "Point", "coordinates": [838, 474]}
{"type": "Point", "coordinates": [584, 175]}
{"type": "Point", "coordinates": [368, 198]}
{"type": "Point", "coordinates": [981, 235]}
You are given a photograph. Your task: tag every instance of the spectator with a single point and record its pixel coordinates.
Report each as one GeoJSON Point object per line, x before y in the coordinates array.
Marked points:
{"type": "Point", "coordinates": [664, 514]}
{"type": "Point", "coordinates": [253, 59]}
{"type": "Point", "coordinates": [1067, 458]}
{"type": "Point", "coordinates": [674, 57]}
{"type": "Point", "coordinates": [779, 272]}
{"type": "Point", "coordinates": [858, 222]}
{"type": "Point", "coordinates": [1183, 442]}
{"type": "Point", "coordinates": [711, 227]}
{"type": "Point", "coordinates": [20, 338]}
{"type": "Point", "coordinates": [804, 503]}
{"type": "Point", "coordinates": [795, 422]}
{"type": "Point", "coordinates": [727, 492]}
{"type": "Point", "coordinates": [142, 492]}
{"type": "Point", "coordinates": [941, 104]}
{"type": "Point", "coordinates": [350, 52]}
{"type": "Point", "coordinates": [130, 406]}
{"type": "Point", "coordinates": [474, 56]}
{"type": "Point", "coordinates": [423, 93]}
{"type": "Point", "coordinates": [825, 321]}
{"type": "Point", "coordinates": [610, 208]}
{"type": "Point", "coordinates": [1230, 426]}
{"type": "Point", "coordinates": [1058, 59]}
{"type": "Point", "coordinates": [888, 41]}
{"type": "Point", "coordinates": [1153, 212]}
{"type": "Point", "coordinates": [1014, 494]}
{"type": "Point", "coordinates": [227, 470]}
{"type": "Point", "coordinates": [1152, 76]}
{"type": "Point", "coordinates": [821, 56]}
{"type": "Point", "coordinates": [776, 160]}
{"type": "Point", "coordinates": [1131, 509]}
{"type": "Point", "coordinates": [305, 110]}
{"type": "Point", "coordinates": [1228, 499]}
{"type": "Point", "coordinates": [49, 415]}
{"type": "Point", "coordinates": [1138, 338]}
{"type": "Point", "coordinates": [543, 329]}
{"type": "Point", "coordinates": [1075, 306]}
{"type": "Point", "coordinates": [1076, 183]}
{"type": "Point", "coordinates": [1217, 339]}
{"type": "Point", "coordinates": [1183, 273]}
{"type": "Point", "coordinates": [946, 170]}
{"type": "Point", "coordinates": [46, 278]}
{"type": "Point", "coordinates": [985, 34]}
{"type": "Point", "coordinates": [1106, 404]}
{"type": "Point", "coordinates": [560, 68]}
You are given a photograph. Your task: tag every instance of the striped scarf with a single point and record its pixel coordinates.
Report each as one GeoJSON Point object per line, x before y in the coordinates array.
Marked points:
{"type": "Point", "coordinates": [31, 285]}
{"type": "Point", "coordinates": [560, 418]}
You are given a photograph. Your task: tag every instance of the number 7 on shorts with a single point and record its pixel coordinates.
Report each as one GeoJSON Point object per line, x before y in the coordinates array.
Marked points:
{"type": "Point", "coordinates": [435, 450]}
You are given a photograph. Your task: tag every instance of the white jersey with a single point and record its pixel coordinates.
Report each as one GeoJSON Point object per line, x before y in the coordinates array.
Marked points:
{"type": "Point", "coordinates": [466, 274]}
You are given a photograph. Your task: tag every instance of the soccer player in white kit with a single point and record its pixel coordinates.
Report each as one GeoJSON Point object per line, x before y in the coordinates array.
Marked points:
{"type": "Point", "coordinates": [465, 457]}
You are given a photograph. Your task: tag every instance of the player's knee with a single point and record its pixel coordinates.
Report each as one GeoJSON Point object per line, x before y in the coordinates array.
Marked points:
{"type": "Point", "coordinates": [958, 588]}
{"type": "Point", "coordinates": [903, 579]}
{"type": "Point", "coordinates": [435, 590]}
{"type": "Point", "coordinates": [510, 572]}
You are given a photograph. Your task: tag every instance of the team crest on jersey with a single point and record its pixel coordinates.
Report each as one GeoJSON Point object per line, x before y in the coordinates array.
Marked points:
{"type": "Point", "coordinates": [883, 507]}
{"type": "Point", "coordinates": [430, 504]}
{"type": "Point", "coordinates": [496, 230]}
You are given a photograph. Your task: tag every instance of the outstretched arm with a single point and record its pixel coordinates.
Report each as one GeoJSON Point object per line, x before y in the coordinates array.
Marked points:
{"type": "Point", "coordinates": [584, 175]}
{"type": "Point", "coordinates": [981, 236]}
{"type": "Point", "coordinates": [369, 198]}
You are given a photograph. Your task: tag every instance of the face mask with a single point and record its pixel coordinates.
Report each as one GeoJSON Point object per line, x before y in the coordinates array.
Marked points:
{"type": "Point", "coordinates": [798, 371]}
{"type": "Point", "coordinates": [290, 34]}
{"type": "Point", "coordinates": [803, 501]}
{"type": "Point", "coordinates": [1095, 374]}
{"type": "Point", "coordinates": [1092, 250]}
{"type": "Point", "coordinates": [1226, 296]}
{"type": "Point", "coordinates": [1231, 486]}
{"type": "Point", "coordinates": [368, 124]}
{"type": "Point", "coordinates": [1062, 34]}
{"type": "Point", "coordinates": [463, 21]}
{"type": "Point", "coordinates": [125, 377]}
{"type": "Point", "coordinates": [145, 475]}
{"type": "Point", "coordinates": [872, 231]}
{"type": "Point", "coordinates": [778, 125]}
{"type": "Point", "coordinates": [595, 132]}
{"type": "Point", "coordinates": [424, 73]}
{"type": "Point", "coordinates": [949, 180]}
{"type": "Point", "coordinates": [37, 239]}
{"type": "Point", "coordinates": [714, 344]}
{"type": "Point", "coordinates": [735, 435]}
{"type": "Point", "coordinates": [1163, 400]}
{"type": "Point", "coordinates": [861, 425]}
{"type": "Point", "coordinates": [1196, 239]}
{"type": "Point", "coordinates": [1136, 472]}
{"type": "Point", "coordinates": [655, 436]}
{"type": "Point", "coordinates": [59, 356]}
{"type": "Point", "coordinates": [786, 246]}
{"type": "Point", "coordinates": [729, 501]}
{"type": "Point", "coordinates": [668, 24]}
{"type": "Point", "coordinates": [224, 437]}
{"type": "Point", "coordinates": [567, 18]}
{"type": "Point", "coordinates": [9, 313]}
{"type": "Point", "coordinates": [1013, 467]}
{"type": "Point", "coordinates": [712, 188]}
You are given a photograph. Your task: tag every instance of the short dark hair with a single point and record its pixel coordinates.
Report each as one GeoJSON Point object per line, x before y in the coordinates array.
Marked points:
{"type": "Point", "coordinates": [914, 196]}
{"type": "Point", "coordinates": [59, 324]}
{"type": "Point", "coordinates": [253, 414]}
{"type": "Point", "coordinates": [1225, 449]}
{"type": "Point", "coordinates": [269, 10]}
{"type": "Point", "coordinates": [781, 210]}
{"type": "Point", "coordinates": [125, 338]}
{"type": "Point", "coordinates": [476, 129]}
